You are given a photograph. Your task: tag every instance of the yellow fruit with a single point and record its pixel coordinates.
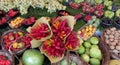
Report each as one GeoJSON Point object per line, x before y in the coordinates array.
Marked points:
{"type": "Point", "coordinates": [21, 45]}
{"type": "Point", "coordinates": [20, 33]}
{"type": "Point", "coordinates": [15, 45]}
{"type": "Point", "coordinates": [79, 32]}
{"type": "Point", "coordinates": [114, 62]}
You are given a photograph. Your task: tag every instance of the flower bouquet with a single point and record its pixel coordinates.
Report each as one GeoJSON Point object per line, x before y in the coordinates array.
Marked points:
{"type": "Point", "coordinates": [54, 36]}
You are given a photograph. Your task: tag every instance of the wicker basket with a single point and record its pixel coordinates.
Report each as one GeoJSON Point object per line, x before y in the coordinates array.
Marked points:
{"type": "Point", "coordinates": [112, 55]}
{"type": "Point", "coordinates": [19, 51]}
{"type": "Point", "coordinates": [105, 52]}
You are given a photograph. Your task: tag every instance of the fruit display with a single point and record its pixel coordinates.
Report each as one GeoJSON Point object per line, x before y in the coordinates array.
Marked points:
{"type": "Point", "coordinates": [111, 38]}
{"type": "Point", "coordinates": [90, 52]}
{"type": "Point", "coordinates": [87, 31]}
{"type": "Point", "coordinates": [16, 22]}
{"type": "Point", "coordinates": [15, 40]}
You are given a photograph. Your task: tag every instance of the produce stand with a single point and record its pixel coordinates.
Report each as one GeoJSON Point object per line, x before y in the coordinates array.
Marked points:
{"type": "Point", "coordinates": [59, 32]}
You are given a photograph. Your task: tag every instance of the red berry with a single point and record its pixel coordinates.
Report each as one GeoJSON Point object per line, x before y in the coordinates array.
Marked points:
{"type": "Point", "coordinates": [74, 5]}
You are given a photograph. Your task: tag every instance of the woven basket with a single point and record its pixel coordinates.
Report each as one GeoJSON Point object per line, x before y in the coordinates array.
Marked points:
{"type": "Point", "coordinates": [105, 52]}
{"type": "Point", "coordinates": [112, 55]}
{"type": "Point", "coordinates": [19, 51]}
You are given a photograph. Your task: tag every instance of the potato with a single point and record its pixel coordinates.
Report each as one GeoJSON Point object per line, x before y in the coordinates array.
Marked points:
{"type": "Point", "coordinates": [108, 32]}
{"type": "Point", "coordinates": [118, 47]}
{"type": "Point", "coordinates": [107, 41]}
{"type": "Point", "coordinates": [113, 43]}
{"type": "Point", "coordinates": [112, 47]}
{"type": "Point", "coordinates": [111, 39]}
{"type": "Point", "coordinates": [106, 36]}
{"type": "Point", "coordinates": [116, 41]}
{"type": "Point", "coordinates": [113, 29]}
{"type": "Point", "coordinates": [115, 51]}
{"type": "Point", "coordinates": [111, 36]}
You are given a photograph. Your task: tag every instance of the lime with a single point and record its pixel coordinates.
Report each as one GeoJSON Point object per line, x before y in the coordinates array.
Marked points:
{"type": "Point", "coordinates": [81, 49]}
{"type": "Point", "coordinates": [85, 57]}
{"type": "Point", "coordinates": [87, 44]}
{"type": "Point", "coordinates": [87, 51]}
{"type": "Point", "coordinates": [94, 40]}
{"type": "Point", "coordinates": [95, 52]}
{"type": "Point", "coordinates": [94, 61]}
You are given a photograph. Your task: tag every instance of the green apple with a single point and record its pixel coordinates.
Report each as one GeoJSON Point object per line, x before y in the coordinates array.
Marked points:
{"type": "Point", "coordinates": [94, 40]}
{"type": "Point", "coordinates": [78, 1]}
{"type": "Point", "coordinates": [98, 1]}
{"type": "Point", "coordinates": [95, 53]}
{"type": "Point", "coordinates": [109, 14]}
{"type": "Point", "coordinates": [85, 57]}
{"type": "Point", "coordinates": [64, 62]}
{"type": "Point", "coordinates": [81, 49]}
{"type": "Point", "coordinates": [109, 7]}
{"type": "Point", "coordinates": [87, 44]}
{"type": "Point", "coordinates": [94, 61]}
{"type": "Point", "coordinates": [108, 3]}
{"type": "Point", "coordinates": [118, 13]}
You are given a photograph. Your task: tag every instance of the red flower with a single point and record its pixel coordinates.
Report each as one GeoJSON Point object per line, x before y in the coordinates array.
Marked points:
{"type": "Point", "coordinates": [40, 31]}
{"type": "Point", "coordinates": [28, 21]}
{"type": "Point", "coordinates": [74, 5]}
{"type": "Point", "coordinates": [54, 47]}
{"type": "Point", "coordinates": [1, 12]}
{"type": "Point", "coordinates": [78, 16]}
{"type": "Point", "coordinates": [12, 13]}
{"type": "Point", "coordinates": [72, 41]}
{"type": "Point", "coordinates": [3, 20]}
{"type": "Point", "coordinates": [99, 6]}
{"type": "Point", "coordinates": [99, 13]}
{"type": "Point", "coordinates": [60, 28]}
{"type": "Point", "coordinates": [85, 4]}
{"type": "Point", "coordinates": [88, 17]}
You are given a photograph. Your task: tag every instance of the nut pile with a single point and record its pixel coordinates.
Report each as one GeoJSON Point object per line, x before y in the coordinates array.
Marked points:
{"type": "Point", "coordinates": [112, 39]}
